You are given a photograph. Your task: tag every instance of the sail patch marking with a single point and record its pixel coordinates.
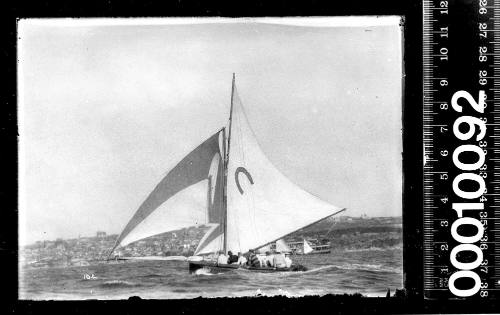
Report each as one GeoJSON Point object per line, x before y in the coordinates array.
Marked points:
{"type": "Point", "coordinates": [237, 180]}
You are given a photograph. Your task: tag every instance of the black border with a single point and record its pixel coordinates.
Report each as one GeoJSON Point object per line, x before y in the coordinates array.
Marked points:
{"type": "Point", "coordinates": [409, 301]}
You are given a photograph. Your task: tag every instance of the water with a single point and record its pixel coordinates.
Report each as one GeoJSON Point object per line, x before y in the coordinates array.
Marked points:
{"type": "Point", "coordinates": [369, 272]}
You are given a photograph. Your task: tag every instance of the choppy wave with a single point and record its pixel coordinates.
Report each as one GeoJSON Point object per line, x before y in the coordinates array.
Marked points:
{"type": "Point", "coordinates": [205, 272]}
{"type": "Point", "coordinates": [314, 270]}
{"type": "Point", "coordinates": [118, 283]}
{"type": "Point", "coordinates": [360, 267]}
{"type": "Point", "coordinates": [366, 271]}
{"type": "Point", "coordinates": [377, 249]}
{"type": "Point", "coordinates": [153, 275]}
{"type": "Point", "coordinates": [369, 267]}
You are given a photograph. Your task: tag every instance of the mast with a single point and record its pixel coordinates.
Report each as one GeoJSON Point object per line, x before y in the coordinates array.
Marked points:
{"type": "Point", "coordinates": [226, 161]}
{"type": "Point", "coordinates": [230, 120]}
{"type": "Point", "coordinates": [209, 197]}
{"type": "Point", "coordinates": [224, 191]}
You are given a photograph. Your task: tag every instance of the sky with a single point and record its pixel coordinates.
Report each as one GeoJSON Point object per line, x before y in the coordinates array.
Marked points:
{"type": "Point", "coordinates": [107, 108]}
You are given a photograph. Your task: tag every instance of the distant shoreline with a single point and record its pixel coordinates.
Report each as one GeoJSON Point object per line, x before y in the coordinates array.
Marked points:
{"type": "Point", "coordinates": [343, 234]}
{"type": "Point", "coordinates": [339, 219]}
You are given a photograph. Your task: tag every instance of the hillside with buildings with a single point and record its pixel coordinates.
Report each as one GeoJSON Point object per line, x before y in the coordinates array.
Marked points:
{"type": "Point", "coordinates": [343, 233]}
{"type": "Point", "coordinates": [353, 233]}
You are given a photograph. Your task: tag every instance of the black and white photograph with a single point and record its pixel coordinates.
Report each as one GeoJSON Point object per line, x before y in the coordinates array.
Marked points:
{"type": "Point", "coordinates": [176, 158]}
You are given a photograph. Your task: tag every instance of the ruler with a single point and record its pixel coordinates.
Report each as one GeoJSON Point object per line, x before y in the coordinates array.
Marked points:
{"type": "Point", "coordinates": [461, 147]}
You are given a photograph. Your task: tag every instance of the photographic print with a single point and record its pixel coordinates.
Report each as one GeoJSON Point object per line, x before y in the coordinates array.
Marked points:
{"type": "Point", "coordinates": [175, 158]}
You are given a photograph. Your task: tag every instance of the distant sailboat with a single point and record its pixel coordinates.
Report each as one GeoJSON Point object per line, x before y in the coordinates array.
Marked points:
{"type": "Point", "coordinates": [282, 247]}
{"type": "Point", "coordinates": [250, 204]}
{"type": "Point", "coordinates": [311, 247]}
{"type": "Point", "coordinates": [307, 248]}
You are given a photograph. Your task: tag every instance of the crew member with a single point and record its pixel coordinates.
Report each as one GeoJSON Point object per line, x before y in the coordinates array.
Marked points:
{"type": "Point", "coordinates": [288, 260]}
{"type": "Point", "coordinates": [222, 259]}
{"type": "Point", "coordinates": [231, 258]}
{"type": "Point", "coordinates": [241, 259]}
{"type": "Point", "coordinates": [253, 260]}
{"type": "Point", "coordinates": [268, 262]}
{"type": "Point", "coordinates": [279, 260]}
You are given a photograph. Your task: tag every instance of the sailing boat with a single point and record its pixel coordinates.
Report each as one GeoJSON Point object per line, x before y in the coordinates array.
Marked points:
{"type": "Point", "coordinates": [282, 247]}
{"type": "Point", "coordinates": [250, 204]}
{"type": "Point", "coordinates": [307, 248]}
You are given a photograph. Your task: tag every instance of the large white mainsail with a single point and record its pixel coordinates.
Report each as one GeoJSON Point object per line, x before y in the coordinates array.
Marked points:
{"type": "Point", "coordinates": [262, 204]}
{"type": "Point", "coordinates": [170, 205]}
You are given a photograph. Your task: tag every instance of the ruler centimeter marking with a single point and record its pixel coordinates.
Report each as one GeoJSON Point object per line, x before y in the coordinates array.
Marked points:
{"type": "Point", "coordinates": [460, 53]}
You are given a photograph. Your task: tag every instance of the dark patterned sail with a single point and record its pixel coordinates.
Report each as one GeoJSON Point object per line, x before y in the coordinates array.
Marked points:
{"type": "Point", "coordinates": [159, 212]}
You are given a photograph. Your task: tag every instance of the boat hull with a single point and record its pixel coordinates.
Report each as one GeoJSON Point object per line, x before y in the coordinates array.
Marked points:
{"type": "Point", "coordinates": [213, 267]}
